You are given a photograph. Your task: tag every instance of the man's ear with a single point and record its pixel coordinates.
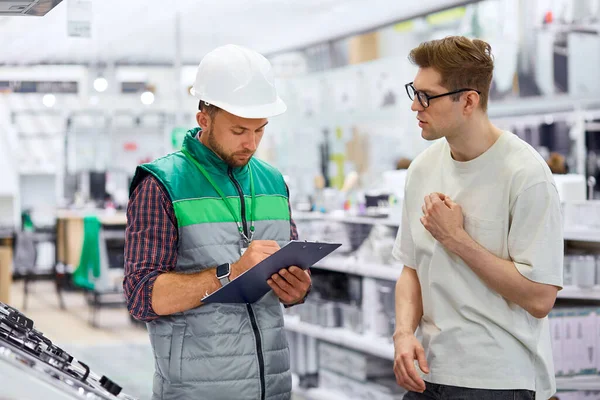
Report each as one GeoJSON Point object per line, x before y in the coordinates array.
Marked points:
{"type": "Point", "coordinates": [471, 102]}
{"type": "Point", "coordinates": [203, 120]}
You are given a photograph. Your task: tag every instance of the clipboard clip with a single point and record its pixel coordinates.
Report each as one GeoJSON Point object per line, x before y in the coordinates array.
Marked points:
{"type": "Point", "coordinates": [313, 242]}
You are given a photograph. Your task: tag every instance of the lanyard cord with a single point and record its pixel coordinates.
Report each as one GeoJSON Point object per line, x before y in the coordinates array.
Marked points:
{"type": "Point", "coordinates": [220, 192]}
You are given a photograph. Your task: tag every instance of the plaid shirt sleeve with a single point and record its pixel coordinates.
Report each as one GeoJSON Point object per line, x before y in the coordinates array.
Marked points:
{"type": "Point", "coordinates": [150, 245]}
{"type": "Point", "coordinates": [151, 240]}
{"type": "Point", "coordinates": [293, 229]}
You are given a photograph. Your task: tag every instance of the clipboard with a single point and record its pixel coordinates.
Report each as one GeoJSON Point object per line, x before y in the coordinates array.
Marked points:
{"type": "Point", "coordinates": [252, 285]}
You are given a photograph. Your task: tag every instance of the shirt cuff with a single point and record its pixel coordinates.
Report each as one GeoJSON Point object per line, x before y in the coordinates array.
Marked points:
{"type": "Point", "coordinates": [528, 272]}
{"type": "Point", "coordinates": [140, 303]}
{"type": "Point", "coordinates": [401, 257]}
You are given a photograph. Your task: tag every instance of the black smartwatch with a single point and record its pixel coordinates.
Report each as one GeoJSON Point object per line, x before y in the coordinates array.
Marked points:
{"type": "Point", "coordinates": [223, 272]}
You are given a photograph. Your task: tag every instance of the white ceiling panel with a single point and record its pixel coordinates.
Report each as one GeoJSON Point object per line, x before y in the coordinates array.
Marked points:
{"type": "Point", "coordinates": [136, 31]}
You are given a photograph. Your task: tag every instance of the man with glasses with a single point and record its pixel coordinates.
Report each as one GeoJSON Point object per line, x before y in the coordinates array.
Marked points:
{"type": "Point", "coordinates": [481, 241]}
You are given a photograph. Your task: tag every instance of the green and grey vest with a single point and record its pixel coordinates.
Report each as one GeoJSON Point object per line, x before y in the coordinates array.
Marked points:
{"type": "Point", "coordinates": [220, 351]}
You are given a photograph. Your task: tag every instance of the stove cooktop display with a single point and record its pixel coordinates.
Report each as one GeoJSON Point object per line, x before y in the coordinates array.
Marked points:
{"type": "Point", "coordinates": [32, 367]}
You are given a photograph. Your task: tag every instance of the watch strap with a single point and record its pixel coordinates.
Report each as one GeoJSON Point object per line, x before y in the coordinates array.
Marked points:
{"type": "Point", "coordinates": [224, 277]}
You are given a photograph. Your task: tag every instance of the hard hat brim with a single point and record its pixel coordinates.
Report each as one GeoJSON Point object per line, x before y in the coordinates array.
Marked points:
{"type": "Point", "coordinates": [259, 111]}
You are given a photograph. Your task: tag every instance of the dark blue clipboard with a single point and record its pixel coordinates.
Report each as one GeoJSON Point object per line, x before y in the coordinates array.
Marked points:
{"type": "Point", "coordinates": [252, 285]}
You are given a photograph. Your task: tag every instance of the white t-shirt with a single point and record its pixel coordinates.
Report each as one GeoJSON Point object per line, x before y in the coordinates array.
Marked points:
{"type": "Point", "coordinates": [472, 336]}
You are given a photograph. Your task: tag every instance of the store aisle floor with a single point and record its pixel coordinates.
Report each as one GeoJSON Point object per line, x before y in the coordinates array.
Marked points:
{"type": "Point", "coordinates": [71, 325]}
{"type": "Point", "coordinates": [117, 348]}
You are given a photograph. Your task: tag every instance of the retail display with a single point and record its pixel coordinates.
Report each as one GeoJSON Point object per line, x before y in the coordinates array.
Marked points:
{"type": "Point", "coordinates": [335, 301]}
{"type": "Point", "coordinates": [352, 303]}
{"type": "Point", "coordinates": [36, 368]}
{"type": "Point", "coordinates": [364, 366]}
{"type": "Point", "coordinates": [378, 389]}
{"type": "Point", "coordinates": [577, 395]}
{"type": "Point", "coordinates": [575, 340]}
{"type": "Point", "coordinates": [581, 270]}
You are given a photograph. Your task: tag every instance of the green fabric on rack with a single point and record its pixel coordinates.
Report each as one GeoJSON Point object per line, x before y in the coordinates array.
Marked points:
{"type": "Point", "coordinates": [89, 263]}
{"type": "Point", "coordinates": [27, 222]}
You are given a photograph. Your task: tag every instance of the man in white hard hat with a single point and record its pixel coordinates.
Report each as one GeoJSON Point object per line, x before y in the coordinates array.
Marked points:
{"type": "Point", "coordinates": [196, 220]}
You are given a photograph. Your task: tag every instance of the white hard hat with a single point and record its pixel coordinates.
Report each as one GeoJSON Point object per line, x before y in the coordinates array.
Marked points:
{"type": "Point", "coordinates": [239, 81]}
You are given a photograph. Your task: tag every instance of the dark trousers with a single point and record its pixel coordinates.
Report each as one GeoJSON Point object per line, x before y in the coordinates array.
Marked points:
{"type": "Point", "coordinates": [443, 392]}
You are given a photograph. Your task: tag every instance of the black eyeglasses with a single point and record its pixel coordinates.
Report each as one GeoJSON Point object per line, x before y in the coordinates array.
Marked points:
{"type": "Point", "coordinates": [424, 98]}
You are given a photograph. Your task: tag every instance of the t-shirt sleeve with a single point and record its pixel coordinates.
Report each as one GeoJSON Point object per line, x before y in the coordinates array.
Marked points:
{"type": "Point", "coordinates": [535, 238]}
{"type": "Point", "coordinates": [404, 247]}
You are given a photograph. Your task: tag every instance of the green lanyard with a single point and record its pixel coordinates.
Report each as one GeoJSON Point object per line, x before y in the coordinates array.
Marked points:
{"type": "Point", "coordinates": [229, 206]}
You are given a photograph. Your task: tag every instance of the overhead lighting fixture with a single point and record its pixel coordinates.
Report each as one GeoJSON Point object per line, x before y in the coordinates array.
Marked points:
{"type": "Point", "coordinates": [147, 98]}
{"type": "Point", "coordinates": [49, 100]}
{"type": "Point", "coordinates": [100, 84]}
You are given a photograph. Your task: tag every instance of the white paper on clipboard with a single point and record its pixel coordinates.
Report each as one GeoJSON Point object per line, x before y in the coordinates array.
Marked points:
{"type": "Point", "coordinates": [252, 285]}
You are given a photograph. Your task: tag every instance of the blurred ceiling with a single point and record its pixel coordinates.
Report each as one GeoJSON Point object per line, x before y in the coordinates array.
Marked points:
{"type": "Point", "coordinates": [144, 32]}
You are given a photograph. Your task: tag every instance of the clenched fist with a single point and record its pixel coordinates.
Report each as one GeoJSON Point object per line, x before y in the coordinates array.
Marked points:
{"type": "Point", "coordinates": [442, 217]}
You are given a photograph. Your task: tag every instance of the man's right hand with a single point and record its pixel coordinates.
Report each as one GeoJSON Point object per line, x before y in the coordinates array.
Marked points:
{"type": "Point", "coordinates": [408, 349]}
{"type": "Point", "coordinates": [255, 253]}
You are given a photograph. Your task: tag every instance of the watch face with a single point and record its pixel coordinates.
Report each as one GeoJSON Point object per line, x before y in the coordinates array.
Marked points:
{"type": "Point", "coordinates": [223, 270]}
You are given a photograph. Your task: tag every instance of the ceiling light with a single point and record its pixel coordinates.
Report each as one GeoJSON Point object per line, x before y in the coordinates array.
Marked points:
{"type": "Point", "coordinates": [100, 84]}
{"type": "Point", "coordinates": [49, 100]}
{"type": "Point", "coordinates": [147, 98]}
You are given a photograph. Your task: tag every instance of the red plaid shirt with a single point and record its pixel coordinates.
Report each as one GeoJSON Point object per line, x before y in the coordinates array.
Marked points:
{"type": "Point", "coordinates": [151, 241]}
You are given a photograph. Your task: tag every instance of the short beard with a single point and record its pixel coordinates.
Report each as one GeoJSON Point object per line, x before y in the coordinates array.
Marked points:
{"type": "Point", "coordinates": [216, 147]}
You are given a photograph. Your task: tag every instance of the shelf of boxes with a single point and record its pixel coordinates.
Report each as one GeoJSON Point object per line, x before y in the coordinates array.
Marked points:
{"type": "Point", "coordinates": [579, 293]}
{"type": "Point", "coordinates": [319, 394]}
{"type": "Point", "coordinates": [346, 218]}
{"type": "Point", "coordinates": [578, 383]}
{"type": "Point", "coordinates": [591, 383]}
{"type": "Point", "coordinates": [381, 347]}
{"type": "Point", "coordinates": [583, 235]}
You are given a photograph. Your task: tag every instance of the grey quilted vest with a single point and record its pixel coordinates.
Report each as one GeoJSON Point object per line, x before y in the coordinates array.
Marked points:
{"type": "Point", "coordinates": [220, 351]}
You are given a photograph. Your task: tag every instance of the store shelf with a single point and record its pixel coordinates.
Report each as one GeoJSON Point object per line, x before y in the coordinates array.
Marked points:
{"type": "Point", "coordinates": [354, 266]}
{"type": "Point", "coordinates": [37, 172]}
{"type": "Point", "coordinates": [340, 217]}
{"type": "Point", "coordinates": [582, 235]}
{"type": "Point", "coordinates": [578, 383]}
{"type": "Point", "coordinates": [562, 383]}
{"type": "Point", "coordinates": [575, 292]}
{"type": "Point", "coordinates": [374, 345]}
{"type": "Point", "coordinates": [392, 273]}
{"type": "Point", "coordinates": [319, 394]}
